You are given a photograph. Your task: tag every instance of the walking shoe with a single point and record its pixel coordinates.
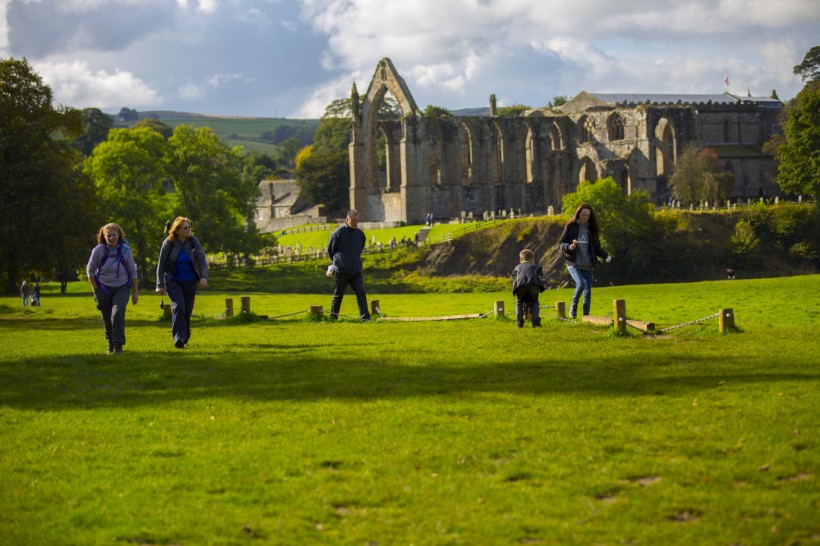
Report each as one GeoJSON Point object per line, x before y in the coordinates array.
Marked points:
{"type": "Point", "coordinates": [110, 347]}
{"type": "Point", "coordinates": [179, 344]}
{"type": "Point", "coordinates": [116, 348]}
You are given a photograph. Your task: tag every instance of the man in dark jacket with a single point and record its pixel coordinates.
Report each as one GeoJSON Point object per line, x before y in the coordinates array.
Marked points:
{"type": "Point", "coordinates": [345, 249]}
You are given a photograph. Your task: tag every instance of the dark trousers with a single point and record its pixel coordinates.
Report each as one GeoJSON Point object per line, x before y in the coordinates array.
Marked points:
{"type": "Point", "coordinates": [111, 301]}
{"type": "Point", "coordinates": [526, 302]}
{"type": "Point", "coordinates": [182, 296]}
{"type": "Point", "coordinates": [356, 282]}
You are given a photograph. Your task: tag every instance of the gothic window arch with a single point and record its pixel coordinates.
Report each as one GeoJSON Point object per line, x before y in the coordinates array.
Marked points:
{"type": "Point", "coordinates": [586, 129]}
{"type": "Point", "coordinates": [615, 127]}
{"type": "Point", "coordinates": [556, 138]}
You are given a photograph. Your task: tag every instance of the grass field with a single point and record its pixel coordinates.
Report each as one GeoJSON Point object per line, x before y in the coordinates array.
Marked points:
{"type": "Point", "coordinates": [287, 431]}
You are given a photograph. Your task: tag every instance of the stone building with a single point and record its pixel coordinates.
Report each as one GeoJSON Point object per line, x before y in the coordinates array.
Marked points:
{"type": "Point", "coordinates": [402, 170]}
{"type": "Point", "coordinates": [280, 206]}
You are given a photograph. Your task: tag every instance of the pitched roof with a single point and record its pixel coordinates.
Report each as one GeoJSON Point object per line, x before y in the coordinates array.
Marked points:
{"type": "Point", "coordinates": [585, 100]}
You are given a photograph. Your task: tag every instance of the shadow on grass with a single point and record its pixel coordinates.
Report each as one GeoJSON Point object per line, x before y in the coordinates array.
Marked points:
{"type": "Point", "coordinates": [289, 373]}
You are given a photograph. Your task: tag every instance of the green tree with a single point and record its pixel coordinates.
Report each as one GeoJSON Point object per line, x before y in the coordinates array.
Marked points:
{"type": "Point", "coordinates": [95, 130]}
{"type": "Point", "coordinates": [513, 111]}
{"type": "Point", "coordinates": [699, 176]}
{"type": "Point", "coordinates": [809, 69]}
{"type": "Point", "coordinates": [265, 165]}
{"type": "Point", "coordinates": [127, 172]}
{"type": "Point", "coordinates": [286, 151]}
{"type": "Point", "coordinates": [325, 178]}
{"type": "Point", "coordinates": [628, 229]}
{"type": "Point", "coordinates": [216, 188]}
{"type": "Point", "coordinates": [799, 156]}
{"type": "Point", "coordinates": [156, 125]}
{"type": "Point", "coordinates": [37, 173]}
{"type": "Point", "coordinates": [431, 111]}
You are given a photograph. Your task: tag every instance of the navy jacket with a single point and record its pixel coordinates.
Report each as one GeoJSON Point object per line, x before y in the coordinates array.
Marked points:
{"type": "Point", "coordinates": [345, 249]}
{"type": "Point", "coordinates": [527, 274]}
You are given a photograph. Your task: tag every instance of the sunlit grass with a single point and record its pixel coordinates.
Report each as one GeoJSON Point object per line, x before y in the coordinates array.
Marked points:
{"type": "Point", "coordinates": [286, 431]}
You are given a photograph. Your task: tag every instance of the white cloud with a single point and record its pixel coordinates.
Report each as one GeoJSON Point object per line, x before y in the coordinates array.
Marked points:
{"type": "Point", "coordinates": [75, 84]}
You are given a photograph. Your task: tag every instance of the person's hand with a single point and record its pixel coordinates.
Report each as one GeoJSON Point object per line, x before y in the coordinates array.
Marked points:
{"type": "Point", "coordinates": [135, 297]}
{"type": "Point", "coordinates": [203, 283]}
{"type": "Point", "coordinates": [608, 259]}
{"type": "Point", "coordinates": [160, 291]}
{"type": "Point", "coordinates": [573, 245]}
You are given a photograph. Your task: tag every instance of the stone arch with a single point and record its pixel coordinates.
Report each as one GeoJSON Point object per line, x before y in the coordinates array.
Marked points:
{"type": "Point", "coordinates": [665, 147]}
{"type": "Point", "coordinates": [557, 141]}
{"type": "Point", "coordinates": [467, 150]}
{"type": "Point", "coordinates": [615, 127]}
{"type": "Point", "coordinates": [535, 147]}
{"type": "Point", "coordinates": [587, 170]}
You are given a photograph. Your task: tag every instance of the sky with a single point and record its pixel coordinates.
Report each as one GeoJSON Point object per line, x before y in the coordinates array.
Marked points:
{"type": "Point", "coordinates": [291, 58]}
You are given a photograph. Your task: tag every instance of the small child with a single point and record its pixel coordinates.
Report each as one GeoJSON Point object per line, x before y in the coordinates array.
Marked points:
{"type": "Point", "coordinates": [527, 285]}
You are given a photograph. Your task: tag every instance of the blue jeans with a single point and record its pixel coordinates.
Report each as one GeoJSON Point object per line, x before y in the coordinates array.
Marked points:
{"type": "Point", "coordinates": [182, 296]}
{"type": "Point", "coordinates": [583, 285]}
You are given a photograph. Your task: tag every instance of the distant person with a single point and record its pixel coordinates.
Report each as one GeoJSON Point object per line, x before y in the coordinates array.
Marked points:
{"type": "Point", "coordinates": [345, 248]}
{"type": "Point", "coordinates": [527, 284]}
{"type": "Point", "coordinates": [181, 269]}
{"type": "Point", "coordinates": [581, 246]}
{"type": "Point", "coordinates": [25, 293]}
{"type": "Point", "coordinates": [730, 273]}
{"type": "Point", "coordinates": [112, 274]}
{"type": "Point", "coordinates": [35, 295]}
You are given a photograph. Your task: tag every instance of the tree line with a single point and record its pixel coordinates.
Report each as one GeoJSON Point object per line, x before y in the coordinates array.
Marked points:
{"type": "Point", "coordinates": [65, 172]}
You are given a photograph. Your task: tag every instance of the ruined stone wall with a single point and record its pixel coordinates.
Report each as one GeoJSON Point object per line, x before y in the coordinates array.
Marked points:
{"type": "Point", "coordinates": [454, 165]}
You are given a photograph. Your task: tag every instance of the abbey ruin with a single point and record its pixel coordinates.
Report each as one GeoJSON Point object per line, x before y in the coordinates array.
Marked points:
{"type": "Point", "coordinates": [468, 165]}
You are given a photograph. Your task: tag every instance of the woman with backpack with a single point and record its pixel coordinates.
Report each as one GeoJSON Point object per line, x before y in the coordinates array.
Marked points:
{"type": "Point", "coordinates": [181, 269]}
{"type": "Point", "coordinates": [112, 274]}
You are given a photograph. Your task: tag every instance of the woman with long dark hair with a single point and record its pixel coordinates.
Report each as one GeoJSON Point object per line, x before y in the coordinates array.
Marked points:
{"type": "Point", "coordinates": [581, 245]}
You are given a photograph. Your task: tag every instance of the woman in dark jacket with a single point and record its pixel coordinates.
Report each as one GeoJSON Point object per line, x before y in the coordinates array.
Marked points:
{"type": "Point", "coordinates": [181, 269]}
{"type": "Point", "coordinates": [581, 245]}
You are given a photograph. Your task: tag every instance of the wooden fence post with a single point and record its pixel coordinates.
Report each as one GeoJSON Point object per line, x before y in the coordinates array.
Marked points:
{"type": "Point", "coordinates": [726, 320]}
{"type": "Point", "coordinates": [560, 309]}
{"type": "Point", "coordinates": [620, 316]}
{"type": "Point", "coordinates": [228, 307]}
{"type": "Point", "coordinates": [374, 307]}
{"type": "Point", "coordinates": [316, 312]}
{"type": "Point", "coordinates": [246, 304]}
{"type": "Point", "coordinates": [166, 310]}
{"type": "Point", "coordinates": [498, 309]}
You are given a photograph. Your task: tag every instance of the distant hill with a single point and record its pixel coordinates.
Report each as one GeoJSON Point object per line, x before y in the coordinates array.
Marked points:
{"type": "Point", "coordinates": [258, 134]}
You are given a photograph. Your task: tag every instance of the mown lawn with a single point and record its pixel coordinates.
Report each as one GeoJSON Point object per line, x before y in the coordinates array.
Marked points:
{"type": "Point", "coordinates": [287, 431]}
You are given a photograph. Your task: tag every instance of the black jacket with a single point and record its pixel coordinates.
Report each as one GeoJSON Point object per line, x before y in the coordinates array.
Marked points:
{"type": "Point", "coordinates": [345, 249]}
{"type": "Point", "coordinates": [571, 234]}
{"type": "Point", "coordinates": [527, 274]}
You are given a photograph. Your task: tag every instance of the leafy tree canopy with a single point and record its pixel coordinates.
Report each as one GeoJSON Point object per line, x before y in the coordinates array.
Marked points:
{"type": "Point", "coordinates": [38, 176]}
{"type": "Point", "coordinates": [809, 69]}
{"type": "Point", "coordinates": [799, 156]}
{"type": "Point", "coordinates": [699, 176]}
{"type": "Point", "coordinates": [437, 112]}
{"type": "Point", "coordinates": [512, 111]}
